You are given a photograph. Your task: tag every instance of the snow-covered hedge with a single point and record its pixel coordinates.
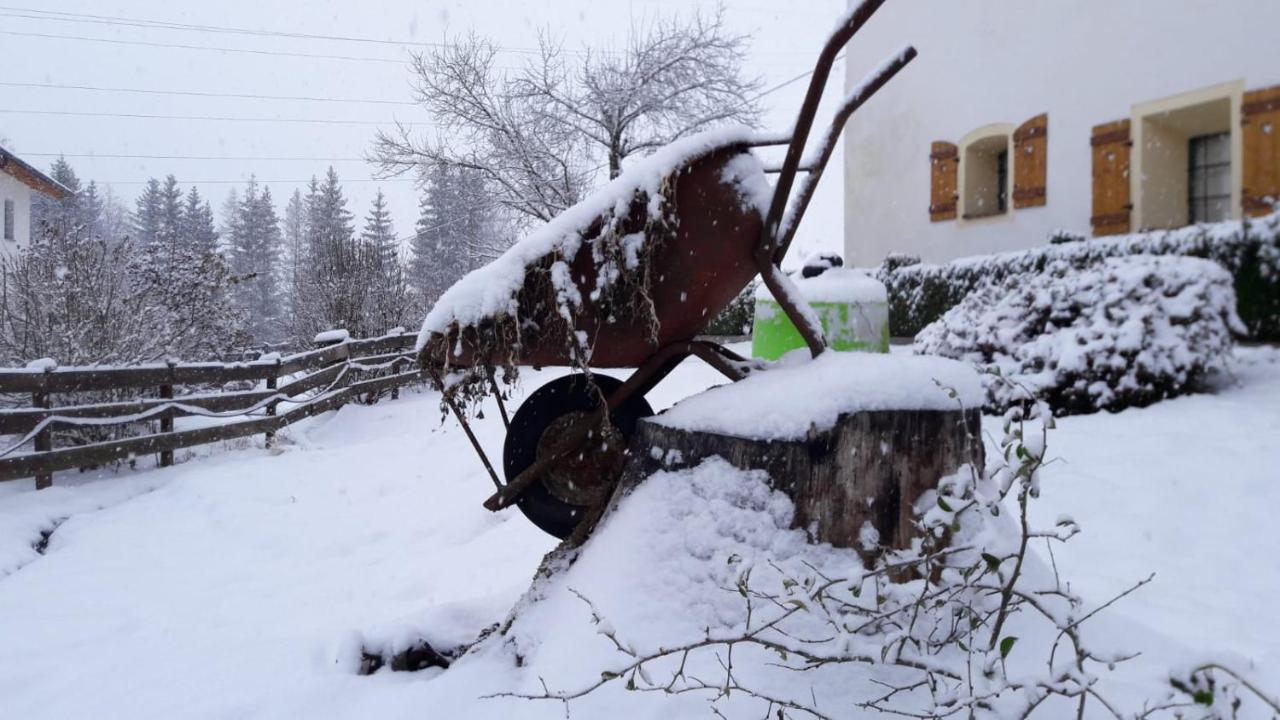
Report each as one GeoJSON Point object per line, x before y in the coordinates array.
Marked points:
{"type": "Point", "coordinates": [738, 316]}
{"type": "Point", "coordinates": [919, 294]}
{"type": "Point", "coordinates": [1125, 332]}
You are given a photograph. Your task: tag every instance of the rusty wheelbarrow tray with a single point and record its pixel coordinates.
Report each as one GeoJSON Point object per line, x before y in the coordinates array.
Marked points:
{"type": "Point", "coordinates": [589, 301]}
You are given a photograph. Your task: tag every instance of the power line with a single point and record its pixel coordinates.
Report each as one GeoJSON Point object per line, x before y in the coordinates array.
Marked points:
{"type": "Point", "coordinates": [309, 98]}
{"type": "Point", "coordinates": [245, 181]}
{"type": "Point", "coordinates": [144, 43]}
{"type": "Point", "coordinates": [242, 158]}
{"type": "Point", "coordinates": [226, 118]}
{"type": "Point", "coordinates": [194, 93]}
{"type": "Point", "coordinates": [58, 16]}
{"type": "Point", "coordinates": [61, 16]}
{"type": "Point", "coordinates": [792, 81]}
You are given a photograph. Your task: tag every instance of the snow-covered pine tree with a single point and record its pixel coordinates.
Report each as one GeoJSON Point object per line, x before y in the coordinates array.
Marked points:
{"type": "Point", "coordinates": [92, 208]}
{"type": "Point", "coordinates": [83, 292]}
{"type": "Point", "coordinates": [292, 257]}
{"type": "Point", "coordinates": [378, 231]}
{"type": "Point", "coordinates": [254, 253]}
{"type": "Point", "coordinates": [228, 213]}
{"type": "Point", "coordinates": [196, 227]}
{"type": "Point", "coordinates": [54, 218]}
{"type": "Point", "coordinates": [388, 296]}
{"type": "Point", "coordinates": [339, 271]}
{"type": "Point", "coordinates": [146, 214]}
{"type": "Point", "coordinates": [455, 232]}
{"type": "Point", "coordinates": [169, 227]}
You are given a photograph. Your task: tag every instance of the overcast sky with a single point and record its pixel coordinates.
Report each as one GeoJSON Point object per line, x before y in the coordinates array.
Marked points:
{"type": "Point", "coordinates": [52, 43]}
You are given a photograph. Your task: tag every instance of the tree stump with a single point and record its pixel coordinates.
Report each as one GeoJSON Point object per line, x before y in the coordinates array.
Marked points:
{"type": "Point", "coordinates": [870, 467]}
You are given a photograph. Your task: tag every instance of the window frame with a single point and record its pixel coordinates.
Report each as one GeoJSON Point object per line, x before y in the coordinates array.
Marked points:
{"type": "Point", "coordinates": [10, 221]}
{"type": "Point", "coordinates": [1198, 174]}
{"type": "Point", "coordinates": [986, 135]}
{"type": "Point", "coordinates": [1150, 157]}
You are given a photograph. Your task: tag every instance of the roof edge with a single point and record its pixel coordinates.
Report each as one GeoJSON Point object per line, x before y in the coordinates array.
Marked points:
{"type": "Point", "coordinates": [28, 175]}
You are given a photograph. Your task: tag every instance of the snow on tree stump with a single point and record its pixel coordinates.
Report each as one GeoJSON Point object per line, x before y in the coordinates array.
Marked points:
{"type": "Point", "coordinates": [853, 439]}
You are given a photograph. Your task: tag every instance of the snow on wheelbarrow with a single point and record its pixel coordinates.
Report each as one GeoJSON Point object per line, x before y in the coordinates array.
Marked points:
{"type": "Point", "coordinates": [629, 278]}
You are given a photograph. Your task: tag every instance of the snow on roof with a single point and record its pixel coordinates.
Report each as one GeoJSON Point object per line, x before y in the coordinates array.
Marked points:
{"type": "Point", "coordinates": [837, 285]}
{"type": "Point", "coordinates": [783, 403]}
{"type": "Point", "coordinates": [28, 175]}
{"type": "Point", "coordinates": [490, 291]}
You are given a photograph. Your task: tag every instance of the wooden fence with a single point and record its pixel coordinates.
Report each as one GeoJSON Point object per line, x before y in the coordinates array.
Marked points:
{"type": "Point", "coordinates": [285, 390]}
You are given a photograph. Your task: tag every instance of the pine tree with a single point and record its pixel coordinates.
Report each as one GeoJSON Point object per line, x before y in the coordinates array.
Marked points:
{"type": "Point", "coordinates": [92, 208]}
{"type": "Point", "coordinates": [85, 292]}
{"type": "Point", "coordinates": [339, 272]}
{"type": "Point", "coordinates": [58, 217]}
{"type": "Point", "coordinates": [169, 226]}
{"type": "Point", "coordinates": [229, 211]}
{"type": "Point", "coordinates": [292, 256]}
{"type": "Point", "coordinates": [454, 232]}
{"type": "Point", "coordinates": [388, 296]}
{"type": "Point", "coordinates": [146, 215]}
{"type": "Point", "coordinates": [254, 254]}
{"type": "Point", "coordinates": [329, 221]}
{"type": "Point", "coordinates": [378, 231]}
{"type": "Point", "coordinates": [196, 229]}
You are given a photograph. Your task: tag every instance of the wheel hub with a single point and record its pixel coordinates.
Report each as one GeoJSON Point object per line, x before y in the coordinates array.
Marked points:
{"type": "Point", "coordinates": [585, 475]}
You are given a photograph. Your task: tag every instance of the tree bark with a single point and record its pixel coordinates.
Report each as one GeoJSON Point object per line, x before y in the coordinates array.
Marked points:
{"type": "Point", "coordinates": [871, 467]}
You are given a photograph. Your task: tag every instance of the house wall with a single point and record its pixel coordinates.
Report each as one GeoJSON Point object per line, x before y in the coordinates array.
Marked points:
{"type": "Point", "coordinates": [11, 189]}
{"type": "Point", "coordinates": [984, 62]}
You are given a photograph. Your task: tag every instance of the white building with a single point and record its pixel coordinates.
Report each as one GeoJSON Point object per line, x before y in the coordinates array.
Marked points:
{"type": "Point", "coordinates": [18, 182]}
{"type": "Point", "coordinates": [1092, 116]}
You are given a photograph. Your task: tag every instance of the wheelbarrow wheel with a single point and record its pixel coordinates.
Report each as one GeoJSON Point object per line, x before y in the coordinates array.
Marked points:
{"type": "Point", "coordinates": [557, 502]}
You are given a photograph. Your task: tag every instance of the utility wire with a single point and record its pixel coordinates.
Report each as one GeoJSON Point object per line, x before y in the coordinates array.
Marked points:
{"type": "Point", "coordinates": [245, 181]}
{"type": "Point", "coordinates": [242, 158]}
{"type": "Point", "coordinates": [280, 53]}
{"type": "Point", "coordinates": [226, 118]}
{"type": "Point", "coordinates": [195, 93]}
{"type": "Point", "coordinates": [58, 16]}
{"type": "Point", "coordinates": [792, 81]}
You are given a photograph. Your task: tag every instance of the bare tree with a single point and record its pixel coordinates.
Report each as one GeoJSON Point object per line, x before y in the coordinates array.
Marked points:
{"type": "Point", "coordinates": [537, 135]}
{"type": "Point", "coordinates": [535, 165]}
{"type": "Point", "coordinates": [673, 78]}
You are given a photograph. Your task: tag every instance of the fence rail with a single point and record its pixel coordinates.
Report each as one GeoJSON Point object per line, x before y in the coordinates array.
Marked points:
{"type": "Point", "coordinates": [292, 388]}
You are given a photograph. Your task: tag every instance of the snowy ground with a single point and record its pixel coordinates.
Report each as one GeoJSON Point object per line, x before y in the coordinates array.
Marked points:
{"type": "Point", "coordinates": [243, 584]}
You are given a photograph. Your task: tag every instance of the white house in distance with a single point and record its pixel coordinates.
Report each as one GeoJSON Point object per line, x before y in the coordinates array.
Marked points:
{"type": "Point", "coordinates": [18, 180]}
{"type": "Point", "coordinates": [1093, 116]}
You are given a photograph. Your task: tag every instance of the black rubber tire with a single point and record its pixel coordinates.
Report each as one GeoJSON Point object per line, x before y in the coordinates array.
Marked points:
{"type": "Point", "coordinates": [571, 393]}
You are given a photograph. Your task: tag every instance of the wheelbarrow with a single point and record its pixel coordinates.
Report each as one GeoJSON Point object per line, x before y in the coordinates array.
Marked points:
{"type": "Point", "coordinates": [633, 285]}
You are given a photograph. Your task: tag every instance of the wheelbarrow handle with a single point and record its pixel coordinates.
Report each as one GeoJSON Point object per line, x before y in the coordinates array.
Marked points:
{"type": "Point", "coordinates": [863, 92]}
{"type": "Point", "coordinates": [804, 123]}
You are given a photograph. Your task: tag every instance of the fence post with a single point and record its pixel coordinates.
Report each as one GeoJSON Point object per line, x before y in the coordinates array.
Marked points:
{"type": "Point", "coordinates": [272, 384]}
{"type": "Point", "coordinates": [43, 439]}
{"type": "Point", "coordinates": [166, 424]}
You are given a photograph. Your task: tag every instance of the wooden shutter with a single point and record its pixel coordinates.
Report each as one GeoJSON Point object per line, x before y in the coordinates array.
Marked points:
{"type": "Point", "coordinates": [944, 163]}
{"type": "Point", "coordinates": [1030, 162]}
{"type": "Point", "coordinates": [1260, 122]}
{"type": "Point", "coordinates": [1112, 206]}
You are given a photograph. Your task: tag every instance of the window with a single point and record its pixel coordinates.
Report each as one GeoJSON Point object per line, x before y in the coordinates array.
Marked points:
{"type": "Point", "coordinates": [8, 220]}
{"type": "Point", "coordinates": [985, 168]}
{"type": "Point", "coordinates": [1002, 182]}
{"type": "Point", "coordinates": [1209, 178]}
{"type": "Point", "coordinates": [994, 170]}
{"type": "Point", "coordinates": [1185, 158]}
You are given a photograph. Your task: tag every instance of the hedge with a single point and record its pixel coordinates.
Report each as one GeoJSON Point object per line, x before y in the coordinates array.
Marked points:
{"type": "Point", "coordinates": [1126, 332]}
{"type": "Point", "coordinates": [920, 293]}
{"type": "Point", "coordinates": [738, 317]}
